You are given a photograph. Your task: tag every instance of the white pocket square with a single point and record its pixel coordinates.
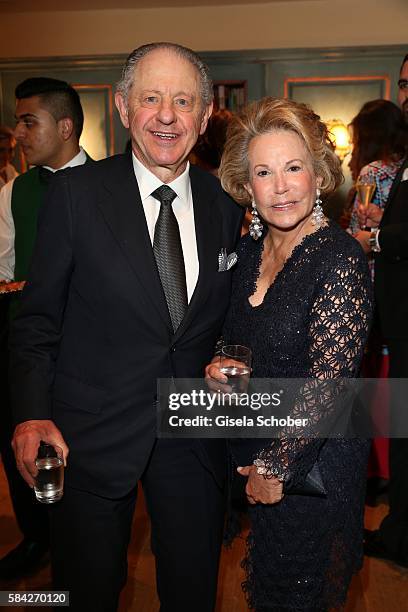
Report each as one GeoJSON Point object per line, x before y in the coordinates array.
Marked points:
{"type": "Point", "coordinates": [404, 175]}
{"type": "Point", "coordinates": [225, 262]}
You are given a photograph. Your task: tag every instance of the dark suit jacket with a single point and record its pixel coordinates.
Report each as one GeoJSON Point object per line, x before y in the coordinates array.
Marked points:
{"type": "Point", "coordinates": [391, 264]}
{"type": "Point", "coordinates": [94, 333]}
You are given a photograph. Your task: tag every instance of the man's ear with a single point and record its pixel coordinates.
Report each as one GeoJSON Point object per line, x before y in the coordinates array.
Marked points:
{"type": "Point", "coordinates": [66, 127]}
{"type": "Point", "coordinates": [122, 109]}
{"type": "Point", "coordinates": [204, 119]}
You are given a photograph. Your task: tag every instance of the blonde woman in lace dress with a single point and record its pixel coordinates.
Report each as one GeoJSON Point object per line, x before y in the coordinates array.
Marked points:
{"type": "Point", "coordinates": [301, 301]}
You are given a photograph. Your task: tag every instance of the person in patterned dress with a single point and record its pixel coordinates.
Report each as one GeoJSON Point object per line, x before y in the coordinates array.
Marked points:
{"type": "Point", "coordinates": [379, 144]}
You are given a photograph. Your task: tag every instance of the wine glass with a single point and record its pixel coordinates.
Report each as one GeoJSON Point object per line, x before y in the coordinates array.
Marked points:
{"type": "Point", "coordinates": [49, 482]}
{"type": "Point", "coordinates": [235, 363]}
{"type": "Point", "coordinates": [365, 190]}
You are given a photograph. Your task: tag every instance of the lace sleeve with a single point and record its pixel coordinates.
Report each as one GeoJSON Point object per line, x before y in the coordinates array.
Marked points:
{"type": "Point", "coordinates": [218, 346]}
{"type": "Point", "coordinates": [339, 322]}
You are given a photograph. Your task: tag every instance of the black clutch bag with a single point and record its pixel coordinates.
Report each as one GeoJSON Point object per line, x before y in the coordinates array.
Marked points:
{"type": "Point", "coordinates": [312, 485]}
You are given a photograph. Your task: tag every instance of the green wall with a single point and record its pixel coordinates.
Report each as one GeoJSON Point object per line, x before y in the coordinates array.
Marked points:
{"type": "Point", "coordinates": [264, 71]}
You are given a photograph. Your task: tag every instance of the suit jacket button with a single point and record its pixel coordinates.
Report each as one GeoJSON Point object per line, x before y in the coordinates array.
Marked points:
{"type": "Point", "coordinates": [173, 349]}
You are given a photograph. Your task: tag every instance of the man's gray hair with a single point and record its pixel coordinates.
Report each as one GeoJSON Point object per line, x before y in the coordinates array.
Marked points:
{"type": "Point", "coordinates": [125, 84]}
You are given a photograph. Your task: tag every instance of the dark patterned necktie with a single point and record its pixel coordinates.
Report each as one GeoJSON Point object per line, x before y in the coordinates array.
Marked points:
{"type": "Point", "coordinates": [169, 256]}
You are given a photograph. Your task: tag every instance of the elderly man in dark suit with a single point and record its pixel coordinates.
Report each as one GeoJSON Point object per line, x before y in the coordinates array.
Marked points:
{"type": "Point", "coordinates": [389, 241]}
{"type": "Point", "coordinates": [124, 289]}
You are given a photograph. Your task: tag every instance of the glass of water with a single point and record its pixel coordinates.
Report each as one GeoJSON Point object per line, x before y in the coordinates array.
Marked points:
{"type": "Point", "coordinates": [49, 482]}
{"type": "Point", "coordinates": [235, 363]}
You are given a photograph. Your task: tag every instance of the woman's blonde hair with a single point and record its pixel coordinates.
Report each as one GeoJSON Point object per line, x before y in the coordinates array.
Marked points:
{"type": "Point", "coordinates": [265, 116]}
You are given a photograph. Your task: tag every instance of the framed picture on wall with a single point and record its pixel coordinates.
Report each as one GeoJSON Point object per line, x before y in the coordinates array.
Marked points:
{"type": "Point", "coordinates": [97, 137]}
{"type": "Point", "coordinates": [337, 97]}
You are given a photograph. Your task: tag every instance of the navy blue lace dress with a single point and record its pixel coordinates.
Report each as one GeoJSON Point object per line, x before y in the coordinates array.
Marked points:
{"type": "Point", "coordinates": [312, 323]}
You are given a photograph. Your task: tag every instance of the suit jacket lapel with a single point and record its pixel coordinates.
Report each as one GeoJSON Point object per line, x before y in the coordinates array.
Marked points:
{"type": "Point", "coordinates": [207, 221]}
{"type": "Point", "coordinates": [122, 209]}
{"type": "Point", "coordinates": [395, 185]}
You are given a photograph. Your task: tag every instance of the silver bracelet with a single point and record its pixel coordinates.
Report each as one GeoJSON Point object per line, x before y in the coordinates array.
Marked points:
{"type": "Point", "coordinates": [268, 472]}
{"type": "Point", "coordinates": [373, 240]}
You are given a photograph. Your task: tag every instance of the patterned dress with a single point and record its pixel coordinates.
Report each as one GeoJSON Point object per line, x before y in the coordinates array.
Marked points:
{"type": "Point", "coordinates": [312, 323]}
{"type": "Point", "coordinates": [383, 174]}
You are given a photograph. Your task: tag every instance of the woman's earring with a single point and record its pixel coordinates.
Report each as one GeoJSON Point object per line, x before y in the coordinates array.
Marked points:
{"type": "Point", "coordinates": [255, 227]}
{"type": "Point", "coordinates": [317, 213]}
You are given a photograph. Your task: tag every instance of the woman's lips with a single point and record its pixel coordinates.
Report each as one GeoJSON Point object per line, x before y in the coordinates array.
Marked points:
{"type": "Point", "coordinates": [283, 206]}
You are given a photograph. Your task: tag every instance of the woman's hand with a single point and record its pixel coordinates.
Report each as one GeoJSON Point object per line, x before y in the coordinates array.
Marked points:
{"type": "Point", "coordinates": [362, 236]}
{"type": "Point", "coordinates": [260, 490]}
{"type": "Point", "coordinates": [369, 216]}
{"type": "Point", "coordinates": [215, 379]}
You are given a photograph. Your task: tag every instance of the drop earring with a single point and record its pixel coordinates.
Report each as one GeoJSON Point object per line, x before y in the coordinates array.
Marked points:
{"type": "Point", "coordinates": [255, 227]}
{"type": "Point", "coordinates": [317, 213]}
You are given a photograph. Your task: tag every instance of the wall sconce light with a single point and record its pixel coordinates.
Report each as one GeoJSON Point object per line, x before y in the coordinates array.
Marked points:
{"type": "Point", "coordinates": [341, 137]}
